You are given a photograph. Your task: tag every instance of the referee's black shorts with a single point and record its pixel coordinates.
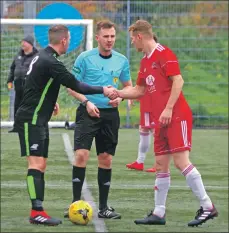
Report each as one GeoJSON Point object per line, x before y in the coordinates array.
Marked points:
{"type": "Point", "coordinates": [34, 139]}
{"type": "Point", "coordinates": [104, 130]}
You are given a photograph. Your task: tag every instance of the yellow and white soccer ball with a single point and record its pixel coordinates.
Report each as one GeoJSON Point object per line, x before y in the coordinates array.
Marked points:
{"type": "Point", "coordinates": [80, 212]}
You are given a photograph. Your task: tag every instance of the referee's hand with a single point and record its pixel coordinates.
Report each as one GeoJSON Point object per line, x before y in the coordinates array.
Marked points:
{"type": "Point", "coordinates": [92, 110]}
{"type": "Point", "coordinates": [115, 103]}
{"type": "Point", "coordinates": [110, 92]}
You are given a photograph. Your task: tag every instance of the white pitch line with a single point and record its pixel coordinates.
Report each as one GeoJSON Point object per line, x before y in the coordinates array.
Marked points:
{"type": "Point", "coordinates": [63, 185]}
{"type": "Point", "coordinates": [98, 223]}
{"type": "Point", "coordinates": [68, 148]}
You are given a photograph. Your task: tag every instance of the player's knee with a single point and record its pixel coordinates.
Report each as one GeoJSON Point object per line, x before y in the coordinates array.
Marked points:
{"type": "Point", "coordinates": [40, 167]}
{"type": "Point", "coordinates": [81, 157]}
{"type": "Point", "coordinates": [177, 165]}
{"type": "Point", "coordinates": [38, 163]}
{"type": "Point", "coordinates": [181, 160]}
{"type": "Point", "coordinates": [181, 165]}
{"type": "Point", "coordinates": [105, 160]}
{"type": "Point", "coordinates": [161, 166]}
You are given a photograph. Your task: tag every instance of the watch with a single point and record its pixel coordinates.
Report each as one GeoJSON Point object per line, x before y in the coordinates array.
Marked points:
{"type": "Point", "coordinates": [84, 103]}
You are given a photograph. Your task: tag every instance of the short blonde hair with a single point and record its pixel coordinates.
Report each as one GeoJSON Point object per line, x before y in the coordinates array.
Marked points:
{"type": "Point", "coordinates": [143, 27]}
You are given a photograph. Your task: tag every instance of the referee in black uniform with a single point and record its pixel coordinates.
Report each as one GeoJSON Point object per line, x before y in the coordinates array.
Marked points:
{"type": "Point", "coordinates": [43, 79]}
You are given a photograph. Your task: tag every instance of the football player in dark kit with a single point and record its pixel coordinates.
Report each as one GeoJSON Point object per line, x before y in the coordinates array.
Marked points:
{"type": "Point", "coordinates": [43, 79]}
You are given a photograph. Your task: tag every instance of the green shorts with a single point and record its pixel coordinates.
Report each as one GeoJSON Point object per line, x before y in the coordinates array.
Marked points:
{"type": "Point", "coordinates": [34, 139]}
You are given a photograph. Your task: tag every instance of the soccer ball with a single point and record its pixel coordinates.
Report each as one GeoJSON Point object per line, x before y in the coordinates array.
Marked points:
{"type": "Point", "coordinates": [80, 212]}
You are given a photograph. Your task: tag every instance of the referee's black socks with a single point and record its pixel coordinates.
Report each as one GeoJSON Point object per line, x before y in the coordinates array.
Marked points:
{"type": "Point", "coordinates": [104, 179]}
{"type": "Point", "coordinates": [78, 175]}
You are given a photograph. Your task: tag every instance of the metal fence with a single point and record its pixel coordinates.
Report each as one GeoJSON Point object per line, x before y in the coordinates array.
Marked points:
{"type": "Point", "coordinates": [196, 30]}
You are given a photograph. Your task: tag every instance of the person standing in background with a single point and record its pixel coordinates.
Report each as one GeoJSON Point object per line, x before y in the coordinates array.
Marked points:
{"type": "Point", "coordinates": [19, 68]}
{"type": "Point", "coordinates": [145, 132]}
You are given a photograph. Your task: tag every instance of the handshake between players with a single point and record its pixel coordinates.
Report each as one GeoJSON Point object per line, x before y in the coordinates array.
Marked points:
{"type": "Point", "coordinates": [111, 92]}
{"type": "Point", "coordinates": [108, 91]}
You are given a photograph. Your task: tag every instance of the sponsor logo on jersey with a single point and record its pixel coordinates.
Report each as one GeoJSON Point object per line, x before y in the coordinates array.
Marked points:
{"type": "Point", "coordinates": [150, 80]}
{"type": "Point", "coordinates": [150, 83]}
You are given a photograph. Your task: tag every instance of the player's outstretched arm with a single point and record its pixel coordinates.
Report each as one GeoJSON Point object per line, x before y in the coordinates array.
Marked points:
{"type": "Point", "coordinates": [131, 92]}
{"type": "Point", "coordinates": [86, 89]}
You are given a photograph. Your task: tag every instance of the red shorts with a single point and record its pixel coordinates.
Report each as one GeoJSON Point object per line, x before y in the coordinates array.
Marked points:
{"type": "Point", "coordinates": [146, 120]}
{"type": "Point", "coordinates": [174, 138]}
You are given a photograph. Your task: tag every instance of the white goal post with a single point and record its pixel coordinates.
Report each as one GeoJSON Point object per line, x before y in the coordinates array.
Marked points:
{"type": "Point", "coordinates": [88, 23]}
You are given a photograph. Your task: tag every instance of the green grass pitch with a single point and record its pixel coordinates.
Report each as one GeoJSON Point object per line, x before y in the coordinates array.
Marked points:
{"type": "Point", "coordinates": [131, 192]}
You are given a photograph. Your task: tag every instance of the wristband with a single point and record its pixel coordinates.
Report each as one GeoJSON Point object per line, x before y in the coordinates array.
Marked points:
{"type": "Point", "coordinates": [84, 103]}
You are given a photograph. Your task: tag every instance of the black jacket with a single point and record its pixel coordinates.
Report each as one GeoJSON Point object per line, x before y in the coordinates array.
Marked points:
{"type": "Point", "coordinates": [19, 67]}
{"type": "Point", "coordinates": [42, 85]}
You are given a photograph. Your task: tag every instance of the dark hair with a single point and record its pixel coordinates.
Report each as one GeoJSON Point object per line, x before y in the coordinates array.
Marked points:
{"type": "Point", "coordinates": [57, 33]}
{"type": "Point", "coordinates": [104, 24]}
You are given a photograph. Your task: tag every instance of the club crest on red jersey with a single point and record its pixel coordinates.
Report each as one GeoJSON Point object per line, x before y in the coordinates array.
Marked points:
{"type": "Point", "coordinates": [150, 80]}
{"type": "Point", "coordinates": [150, 83]}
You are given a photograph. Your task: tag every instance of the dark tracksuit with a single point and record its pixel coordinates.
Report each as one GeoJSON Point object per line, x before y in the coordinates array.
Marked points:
{"type": "Point", "coordinates": [17, 73]}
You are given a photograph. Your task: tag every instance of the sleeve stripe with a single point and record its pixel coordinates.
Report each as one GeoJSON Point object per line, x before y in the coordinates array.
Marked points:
{"type": "Point", "coordinates": [168, 62]}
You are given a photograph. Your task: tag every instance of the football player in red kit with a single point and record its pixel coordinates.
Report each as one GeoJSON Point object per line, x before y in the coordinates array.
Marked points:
{"type": "Point", "coordinates": [160, 74]}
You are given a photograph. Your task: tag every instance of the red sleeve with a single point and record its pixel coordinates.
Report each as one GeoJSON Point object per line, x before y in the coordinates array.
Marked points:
{"type": "Point", "coordinates": [141, 81]}
{"type": "Point", "coordinates": [170, 64]}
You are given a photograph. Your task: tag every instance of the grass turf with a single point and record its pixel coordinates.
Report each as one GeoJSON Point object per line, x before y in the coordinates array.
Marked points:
{"type": "Point", "coordinates": [131, 192]}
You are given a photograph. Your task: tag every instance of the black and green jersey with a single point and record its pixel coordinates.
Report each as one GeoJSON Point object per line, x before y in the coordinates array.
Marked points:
{"type": "Point", "coordinates": [43, 79]}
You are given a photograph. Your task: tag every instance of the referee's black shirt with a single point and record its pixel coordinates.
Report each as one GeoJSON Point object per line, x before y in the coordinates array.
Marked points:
{"type": "Point", "coordinates": [44, 77]}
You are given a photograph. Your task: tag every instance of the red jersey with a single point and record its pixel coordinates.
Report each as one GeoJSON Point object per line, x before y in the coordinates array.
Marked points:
{"type": "Point", "coordinates": [146, 102]}
{"type": "Point", "coordinates": [154, 72]}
